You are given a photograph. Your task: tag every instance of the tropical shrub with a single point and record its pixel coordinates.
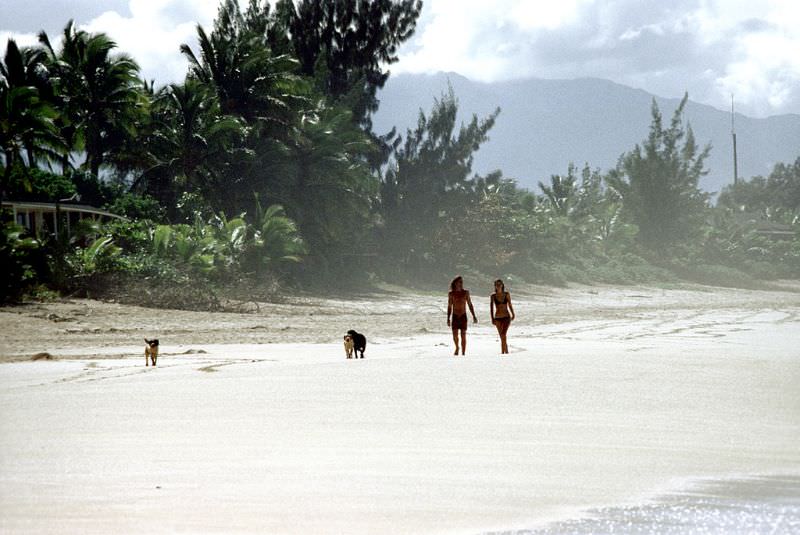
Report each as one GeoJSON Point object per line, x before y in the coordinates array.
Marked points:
{"type": "Point", "coordinates": [39, 185]}
{"type": "Point", "coordinates": [192, 247]}
{"type": "Point", "coordinates": [16, 261]}
{"type": "Point", "coordinates": [276, 241]}
{"type": "Point", "coordinates": [136, 207]}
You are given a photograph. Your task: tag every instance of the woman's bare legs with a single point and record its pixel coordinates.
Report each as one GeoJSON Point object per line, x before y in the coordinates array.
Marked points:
{"type": "Point", "coordinates": [502, 330]}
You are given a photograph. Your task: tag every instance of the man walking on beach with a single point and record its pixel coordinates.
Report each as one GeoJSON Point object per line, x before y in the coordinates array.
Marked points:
{"type": "Point", "coordinates": [457, 301]}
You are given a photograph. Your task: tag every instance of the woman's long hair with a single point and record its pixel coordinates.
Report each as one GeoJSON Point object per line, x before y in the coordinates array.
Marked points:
{"type": "Point", "coordinates": [502, 285]}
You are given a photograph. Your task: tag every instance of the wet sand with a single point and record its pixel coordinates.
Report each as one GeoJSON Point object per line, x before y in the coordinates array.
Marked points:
{"type": "Point", "coordinates": [257, 423]}
{"type": "Point", "coordinates": [749, 505]}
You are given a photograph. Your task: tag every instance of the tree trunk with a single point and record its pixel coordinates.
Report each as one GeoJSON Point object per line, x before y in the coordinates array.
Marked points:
{"type": "Point", "coordinates": [31, 157]}
{"type": "Point", "coordinates": [94, 166]}
{"type": "Point", "coordinates": [6, 173]}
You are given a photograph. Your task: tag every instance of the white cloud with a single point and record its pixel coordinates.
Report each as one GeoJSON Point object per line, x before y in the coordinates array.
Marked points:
{"type": "Point", "coordinates": [151, 33]}
{"type": "Point", "coordinates": [632, 34]}
{"type": "Point", "coordinates": [711, 48]}
{"type": "Point", "coordinates": [154, 32]}
{"type": "Point", "coordinates": [541, 14]}
{"type": "Point", "coordinates": [22, 39]}
{"type": "Point", "coordinates": [764, 71]}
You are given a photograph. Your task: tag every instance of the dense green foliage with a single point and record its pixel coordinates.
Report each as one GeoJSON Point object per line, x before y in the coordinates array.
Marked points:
{"type": "Point", "coordinates": [427, 184]}
{"type": "Point", "coordinates": [343, 45]}
{"type": "Point", "coordinates": [15, 261]}
{"type": "Point", "coordinates": [658, 182]}
{"type": "Point", "coordinates": [262, 166]}
{"type": "Point", "coordinates": [776, 198]}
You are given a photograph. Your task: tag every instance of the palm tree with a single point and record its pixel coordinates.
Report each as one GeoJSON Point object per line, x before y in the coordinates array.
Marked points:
{"type": "Point", "coordinates": [250, 81]}
{"type": "Point", "coordinates": [66, 84]}
{"type": "Point", "coordinates": [276, 241]}
{"type": "Point", "coordinates": [328, 177]}
{"type": "Point", "coordinates": [100, 92]}
{"type": "Point", "coordinates": [26, 118]}
{"type": "Point", "coordinates": [192, 144]}
{"type": "Point", "coordinates": [26, 67]}
{"type": "Point", "coordinates": [562, 193]}
{"type": "Point", "coordinates": [26, 126]}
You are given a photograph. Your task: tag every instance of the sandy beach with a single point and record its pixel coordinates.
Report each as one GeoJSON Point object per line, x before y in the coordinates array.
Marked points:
{"type": "Point", "coordinates": [256, 423]}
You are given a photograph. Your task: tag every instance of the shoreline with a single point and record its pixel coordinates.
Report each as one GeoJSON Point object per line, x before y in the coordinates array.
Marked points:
{"type": "Point", "coordinates": [752, 503]}
{"type": "Point", "coordinates": [73, 325]}
{"type": "Point", "coordinates": [616, 400]}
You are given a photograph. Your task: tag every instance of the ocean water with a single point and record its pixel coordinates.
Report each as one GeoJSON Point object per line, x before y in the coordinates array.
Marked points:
{"type": "Point", "coordinates": [755, 505]}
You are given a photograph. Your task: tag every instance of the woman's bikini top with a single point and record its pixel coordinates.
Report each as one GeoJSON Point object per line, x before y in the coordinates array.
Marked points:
{"type": "Point", "coordinates": [497, 301]}
{"type": "Point", "coordinates": [502, 306]}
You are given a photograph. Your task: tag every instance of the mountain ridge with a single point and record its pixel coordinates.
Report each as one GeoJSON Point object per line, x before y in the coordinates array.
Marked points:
{"type": "Point", "coordinates": [545, 124]}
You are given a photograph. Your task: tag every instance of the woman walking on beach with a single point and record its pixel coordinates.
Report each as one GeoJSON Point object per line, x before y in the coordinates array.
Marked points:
{"type": "Point", "coordinates": [502, 312]}
{"type": "Point", "coordinates": [457, 302]}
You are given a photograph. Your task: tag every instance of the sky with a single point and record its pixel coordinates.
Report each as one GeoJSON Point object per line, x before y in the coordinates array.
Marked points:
{"type": "Point", "coordinates": [711, 48]}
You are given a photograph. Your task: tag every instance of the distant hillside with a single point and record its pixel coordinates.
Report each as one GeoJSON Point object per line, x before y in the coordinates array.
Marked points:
{"type": "Point", "coordinates": [545, 124]}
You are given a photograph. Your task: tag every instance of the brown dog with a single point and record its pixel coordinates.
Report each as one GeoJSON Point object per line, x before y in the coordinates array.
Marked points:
{"type": "Point", "coordinates": [151, 351]}
{"type": "Point", "coordinates": [348, 346]}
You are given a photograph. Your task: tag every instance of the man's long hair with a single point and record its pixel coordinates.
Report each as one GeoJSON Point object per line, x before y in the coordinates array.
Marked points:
{"type": "Point", "coordinates": [453, 283]}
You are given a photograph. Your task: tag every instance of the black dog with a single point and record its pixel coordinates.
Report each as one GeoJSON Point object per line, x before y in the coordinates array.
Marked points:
{"type": "Point", "coordinates": [359, 342]}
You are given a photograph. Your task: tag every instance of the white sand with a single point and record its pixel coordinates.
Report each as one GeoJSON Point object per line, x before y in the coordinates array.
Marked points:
{"type": "Point", "coordinates": [608, 395]}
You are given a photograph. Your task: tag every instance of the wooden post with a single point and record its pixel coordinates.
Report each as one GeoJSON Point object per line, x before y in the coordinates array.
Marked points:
{"type": "Point", "coordinates": [735, 159]}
